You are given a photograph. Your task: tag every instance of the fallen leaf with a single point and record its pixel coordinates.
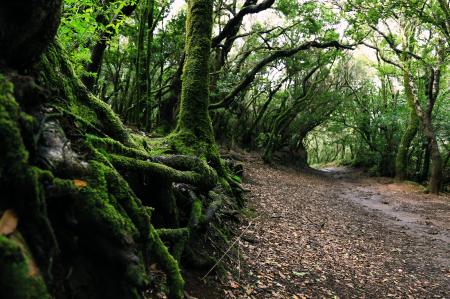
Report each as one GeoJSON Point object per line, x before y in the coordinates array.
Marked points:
{"type": "Point", "coordinates": [8, 222]}
{"type": "Point", "coordinates": [80, 183]}
{"type": "Point", "coordinates": [299, 274]}
{"type": "Point", "coordinates": [234, 284]}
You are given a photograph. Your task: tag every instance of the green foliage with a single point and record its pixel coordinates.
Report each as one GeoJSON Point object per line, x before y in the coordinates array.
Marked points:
{"type": "Point", "coordinates": [81, 25]}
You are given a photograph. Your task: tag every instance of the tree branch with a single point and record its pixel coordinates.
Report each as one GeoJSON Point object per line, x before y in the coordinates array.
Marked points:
{"type": "Point", "coordinates": [230, 27]}
{"type": "Point", "coordinates": [250, 76]}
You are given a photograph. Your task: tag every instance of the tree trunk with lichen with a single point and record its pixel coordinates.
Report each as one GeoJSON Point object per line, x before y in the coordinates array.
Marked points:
{"type": "Point", "coordinates": [95, 205]}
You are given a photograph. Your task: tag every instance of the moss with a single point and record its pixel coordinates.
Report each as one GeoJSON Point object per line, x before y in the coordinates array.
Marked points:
{"type": "Point", "coordinates": [109, 219]}
{"type": "Point", "coordinates": [178, 237]}
{"type": "Point", "coordinates": [114, 146]}
{"type": "Point", "coordinates": [22, 182]}
{"type": "Point", "coordinates": [154, 146]}
{"type": "Point", "coordinates": [12, 150]}
{"type": "Point", "coordinates": [15, 280]}
{"type": "Point", "coordinates": [169, 264]}
{"type": "Point", "coordinates": [139, 214]}
{"type": "Point", "coordinates": [224, 181]}
{"type": "Point", "coordinates": [58, 75]}
{"type": "Point", "coordinates": [173, 234]}
{"type": "Point", "coordinates": [102, 210]}
{"type": "Point", "coordinates": [194, 133]}
{"type": "Point", "coordinates": [196, 213]}
{"type": "Point", "coordinates": [401, 160]}
{"type": "Point", "coordinates": [116, 221]}
{"type": "Point", "coordinates": [194, 115]}
{"type": "Point", "coordinates": [157, 170]}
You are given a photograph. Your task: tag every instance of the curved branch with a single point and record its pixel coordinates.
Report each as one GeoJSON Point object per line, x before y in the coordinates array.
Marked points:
{"type": "Point", "coordinates": [250, 76]}
{"type": "Point", "coordinates": [392, 45]}
{"type": "Point", "coordinates": [230, 27]}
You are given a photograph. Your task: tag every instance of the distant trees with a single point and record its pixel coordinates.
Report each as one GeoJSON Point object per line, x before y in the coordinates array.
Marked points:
{"type": "Point", "coordinates": [256, 68]}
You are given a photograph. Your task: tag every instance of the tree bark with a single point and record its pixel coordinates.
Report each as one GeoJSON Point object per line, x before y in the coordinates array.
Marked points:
{"type": "Point", "coordinates": [194, 117]}
{"type": "Point", "coordinates": [401, 160]}
{"type": "Point", "coordinates": [99, 48]}
{"type": "Point", "coordinates": [26, 28]}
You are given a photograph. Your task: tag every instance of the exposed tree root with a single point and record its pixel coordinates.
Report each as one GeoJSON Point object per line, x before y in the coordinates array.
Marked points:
{"type": "Point", "coordinates": [88, 194]}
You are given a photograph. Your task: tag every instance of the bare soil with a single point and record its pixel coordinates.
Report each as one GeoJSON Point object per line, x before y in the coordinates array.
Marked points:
{"type": "Point", "coordinates": [336, 233]}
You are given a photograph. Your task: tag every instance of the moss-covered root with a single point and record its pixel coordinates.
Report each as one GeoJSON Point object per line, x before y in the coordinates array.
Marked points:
{"type": "Point", "coordinates": [22, 182]}
{"type": "Point", "coordinates": [196, 216]}
{"type": "Point", "coordinates": [16, 279]}
{"type": "Point", "coordinates": [176, 236]}
{"type": "Point", "coordinates": [58, 74]}
{"type": "Point", "coordinates": [169, 264]}
{"type": "Point", "coordinates": [161, 171]}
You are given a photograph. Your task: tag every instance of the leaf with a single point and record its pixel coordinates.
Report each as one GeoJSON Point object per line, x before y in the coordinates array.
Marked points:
{"type": "Point", "coordinates": [80, 183]}
{"type": "Point", "coordinates": [300, 274]}
{"type": "Point", "coordinates": [8, 222]}
{"type": "Point", "coordinates": [234, 284]}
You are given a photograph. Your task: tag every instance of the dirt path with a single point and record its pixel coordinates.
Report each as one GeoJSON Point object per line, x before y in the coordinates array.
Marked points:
{"type": "Point", "coordinates": [336, 233]}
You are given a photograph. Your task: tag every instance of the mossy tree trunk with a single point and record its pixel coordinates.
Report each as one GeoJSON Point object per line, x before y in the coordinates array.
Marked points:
{"type": "Point", "coordinates": [194, 128]}
{"type": "Point", "coordinates": [194, 117]}
{"type": "Point", "coordinates": [401, 160]}
{"type": "Point", "coordinates": [425, 115]}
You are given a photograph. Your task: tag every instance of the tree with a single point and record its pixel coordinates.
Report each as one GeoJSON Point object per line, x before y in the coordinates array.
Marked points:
{"type": "Point", "coordinates": [94, 200]}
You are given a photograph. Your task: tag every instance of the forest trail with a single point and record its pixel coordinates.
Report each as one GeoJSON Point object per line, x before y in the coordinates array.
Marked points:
{"type": "Point", "coordinates": [336, 232]}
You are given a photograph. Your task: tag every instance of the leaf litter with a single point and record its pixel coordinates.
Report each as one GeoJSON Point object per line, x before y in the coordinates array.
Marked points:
{"type": "Point", "coordinates": [317, 235]}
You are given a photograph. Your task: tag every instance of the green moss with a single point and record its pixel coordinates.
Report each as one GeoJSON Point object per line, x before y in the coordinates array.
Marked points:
{"type": "Point", "coordinates": [173, 234]}
{"type": "Point", "coordinates": [104, 205]}
{"type": "Point", "coordinates": [140, 215]}
{"type": "Point", "coordinates": [194, 133]}
{"type": "Point", "coordinates": [102, 210]}
{"type": "Point", "coordinates": [21, 183]}
{"type": "Point", "coordinates": [178, 237]}
{"type": "Point", "coordinates": [194, 115]}
{"type": "Point", "coordinates": [12, 151]}
{"type": "Point", "coordinates": [184, 142]}
{"type": "Point", "coordinates": [153, 146]}
{"type": "Point", "coordinates": [156, 169]}
{"type": "Point", "coordinates": [114, 146]}
{"type": "Point", "coordinates": [15, 279]}
{"type": "Point", "coordinates": [196, 213]}
{"type": "Point", "coordinates": [169, 264]}
{"type": "Point", "coordinates": [401, 160]}
{"type": "Point", "coordinates": [58, 75]}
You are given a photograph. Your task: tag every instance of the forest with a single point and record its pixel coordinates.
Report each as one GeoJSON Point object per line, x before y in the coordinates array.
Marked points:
{"type": "Point", "coordinates": [149, 147]}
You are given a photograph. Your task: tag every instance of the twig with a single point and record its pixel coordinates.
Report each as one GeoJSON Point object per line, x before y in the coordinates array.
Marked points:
{"type": "Point", "coordinates": [229, 248]}
{"type": "Point", "coordinates": [239, 262]}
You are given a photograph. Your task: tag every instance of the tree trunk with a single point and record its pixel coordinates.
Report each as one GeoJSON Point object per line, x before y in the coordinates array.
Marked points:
{"type": "Point", "coordinates": [434, 184]}
{"type": "Point", "coordinates": [194, 117]}
{"type": "Point", "coordinates": [194, 128]}
{"type": "Point", "coordinates": [148, 101]}
{"type": "Point", "coordinates": [401, 161]}
{"type": "Point", "coordinates": [26, 28]}
{"type": "Point", "coordinates": [98, 51]}
{"type": "Point", "coordinates": [424, 172]}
